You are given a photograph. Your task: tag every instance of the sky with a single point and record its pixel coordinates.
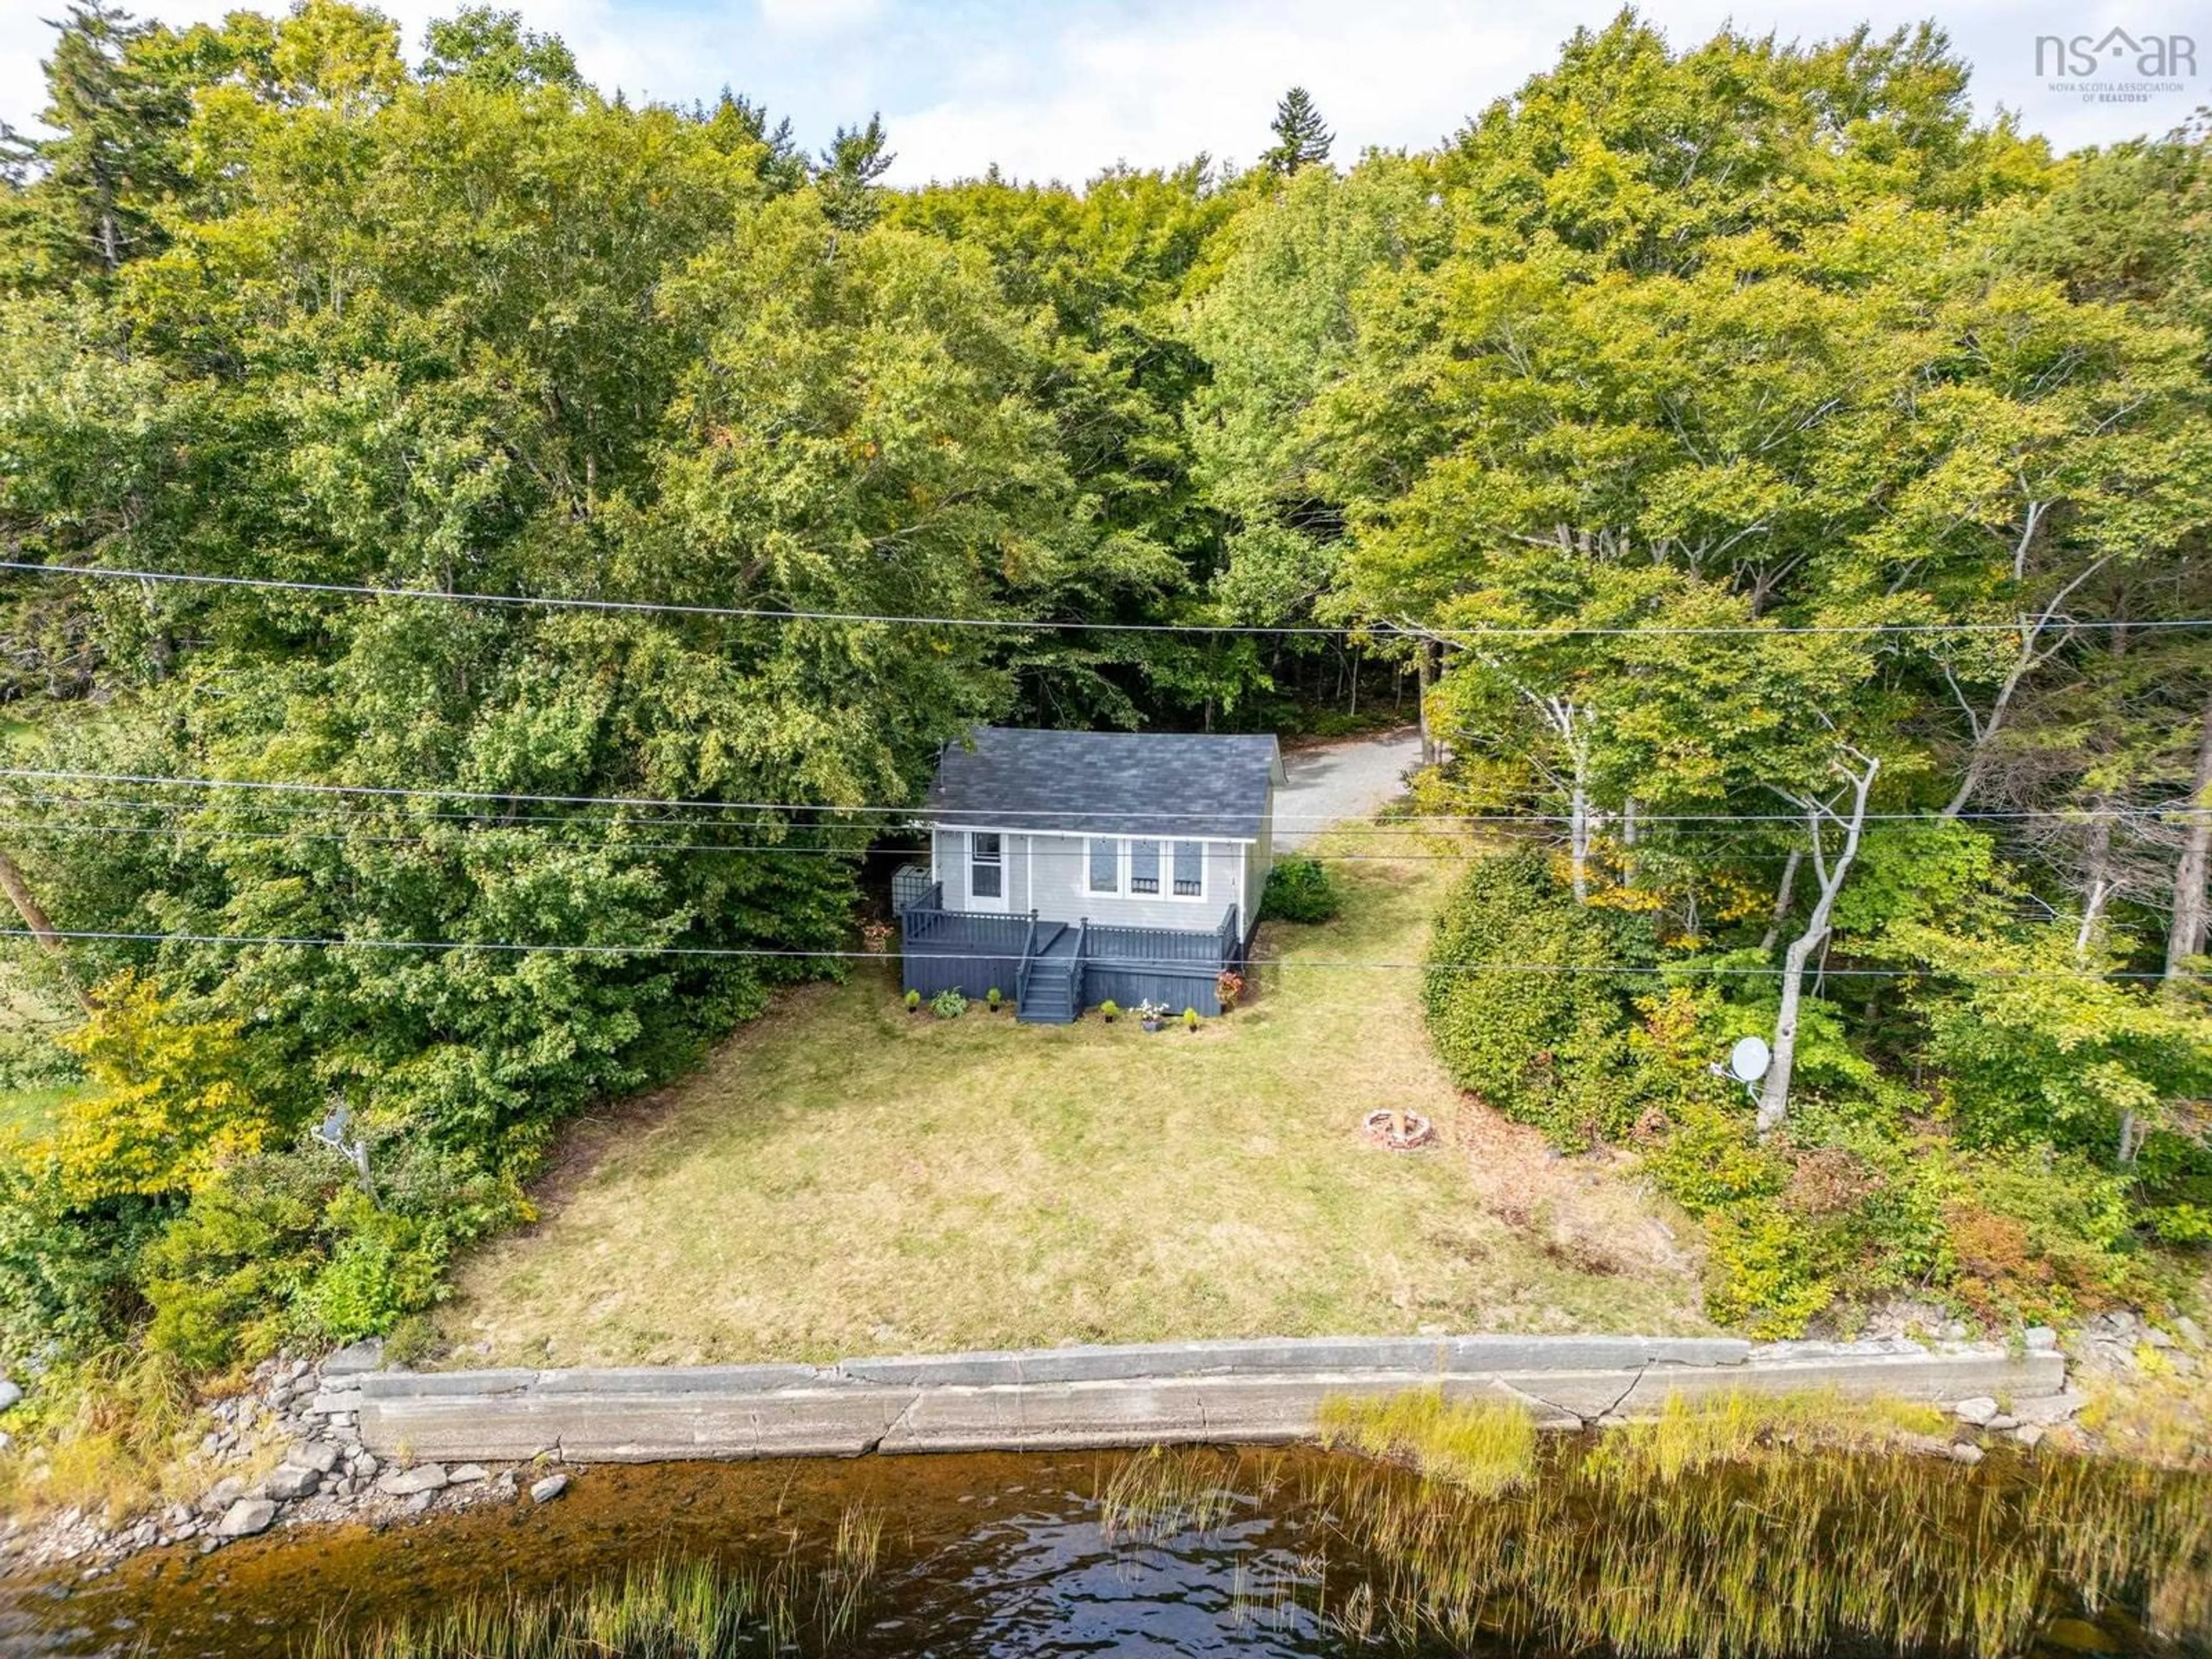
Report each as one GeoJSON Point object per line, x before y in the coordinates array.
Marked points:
{"type": "Point", "coordinates": [1060, 91]}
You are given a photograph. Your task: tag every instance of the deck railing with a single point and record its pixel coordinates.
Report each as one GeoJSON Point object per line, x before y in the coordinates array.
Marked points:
{"type": "Point", "coordinates": [1127, 947]}
{"type": "Point", "coordinates": [1029, 955]}
{"type": "Point", "coordinates": [922, 912]}
{"type": "Point", "coordinates": [1229, 939]}
{"type": "Point", "coordinates": [1003, 940]}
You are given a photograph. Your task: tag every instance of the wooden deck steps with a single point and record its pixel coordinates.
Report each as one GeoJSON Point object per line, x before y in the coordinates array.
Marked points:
{"type": "Point", "coordinates": [1054, 996]}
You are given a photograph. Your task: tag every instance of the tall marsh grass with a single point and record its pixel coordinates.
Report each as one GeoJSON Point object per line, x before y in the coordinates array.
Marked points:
{"type": "Point", "coordinates": [1482, 1447]}
{"type": "Point", "coordinates": [1748, 1529]}
{"type": "Point", "coordinates": [1160, 1495]}
{"type": "Point", "coordinates": [690, 1609]}
{"type": "Point", "coordinates": [107, 1435]}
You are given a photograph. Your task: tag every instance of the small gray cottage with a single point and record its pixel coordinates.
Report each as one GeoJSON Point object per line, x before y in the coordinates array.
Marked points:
{"type": "Point", "coordinates": [1072, 868]}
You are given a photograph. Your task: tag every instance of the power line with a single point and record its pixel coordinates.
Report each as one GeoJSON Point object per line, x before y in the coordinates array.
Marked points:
{"type": "Point", "coordinates": [1133, 964]}
{"type": "Point", "coordinates": [36, 826]}
{"type": "Point", "coordinates": [364, 590]}
{"type": "Point", "coordinates": [203, 832]}
{"type": "Point", "coordinates": [608, 838]}
{"type": "Point", "coordinates": [920, 812]}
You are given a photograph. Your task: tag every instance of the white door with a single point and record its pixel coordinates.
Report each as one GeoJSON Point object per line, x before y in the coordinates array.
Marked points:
{"type": "Point", "coordinates": [986, 870]}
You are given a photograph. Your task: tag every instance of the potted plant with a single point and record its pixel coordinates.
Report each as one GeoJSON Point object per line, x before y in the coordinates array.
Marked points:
{"type": "Point", "coordinates": [1190, 1021]}
{"type": "Point", "coordinates": [1151, 1015]}
{"type": "Point", "coordinates": [1111, 1009]}
{"type": "Point", "coordinates": [991, 999]}
{"type": "Point", "coordinates": [913, 1002]}
{"type": "Point", "coordinates": [1229, 986]}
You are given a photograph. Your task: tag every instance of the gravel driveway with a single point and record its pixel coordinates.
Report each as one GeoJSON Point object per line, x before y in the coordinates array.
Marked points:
{"type": "Point", "coordinates": [1346, 779]}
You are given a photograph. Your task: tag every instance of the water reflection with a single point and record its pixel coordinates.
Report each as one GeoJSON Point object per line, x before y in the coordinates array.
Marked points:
{"type": "Point", "coordinates": [979, 1556]}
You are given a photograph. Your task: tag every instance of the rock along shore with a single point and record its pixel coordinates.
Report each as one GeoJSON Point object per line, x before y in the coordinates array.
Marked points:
{"type": "Point", "coordinates": [350, 1441]}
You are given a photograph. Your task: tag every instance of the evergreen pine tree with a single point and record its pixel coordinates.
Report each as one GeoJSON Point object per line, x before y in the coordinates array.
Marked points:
{"type": "Point", "coordinates": [854, 160]}
{"type": "Point", "coordinates": [1300, 138]}
{"type": "Point", "coordinates": [116, 120]}
{"type": "Point", "coordinates": [737, 121]}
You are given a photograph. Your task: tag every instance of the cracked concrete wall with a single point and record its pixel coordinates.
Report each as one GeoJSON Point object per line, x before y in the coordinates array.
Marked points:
{"type": "Point", "coordinates": [1073, 1398]}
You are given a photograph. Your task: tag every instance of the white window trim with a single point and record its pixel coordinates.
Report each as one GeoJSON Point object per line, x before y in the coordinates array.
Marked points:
{"type": "Point", "coordinates": [1120, 889]}
{"type": "Point", "coordinates": [1124, 865]}
{"type": "Point", "coordinates": [1168, 875]}
{"type": "Point", "coordinates": [1003, 899]}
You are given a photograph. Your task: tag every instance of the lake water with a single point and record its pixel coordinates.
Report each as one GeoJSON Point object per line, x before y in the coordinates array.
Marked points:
{"type": "Point", "coordinates": [1244, 1553]}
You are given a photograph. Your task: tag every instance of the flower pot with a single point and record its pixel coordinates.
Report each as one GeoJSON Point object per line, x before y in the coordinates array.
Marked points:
{"type": "Point", "coordinates": [1151, 1025]}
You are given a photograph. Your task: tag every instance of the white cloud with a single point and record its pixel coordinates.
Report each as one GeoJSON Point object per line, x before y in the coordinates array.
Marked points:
{"type": "Point", "coordinates": [818, 17]}
{"type": "Point", "coordinates": [1154, 87]}
{"type": "Point", "coordinates": [1066, 88]}
{"type": "Point", "coordinates": [1156, 90]}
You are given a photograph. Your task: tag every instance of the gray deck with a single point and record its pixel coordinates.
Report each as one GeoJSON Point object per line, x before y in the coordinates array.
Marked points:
{"type": "Point", "coordinates": [1053, 970]}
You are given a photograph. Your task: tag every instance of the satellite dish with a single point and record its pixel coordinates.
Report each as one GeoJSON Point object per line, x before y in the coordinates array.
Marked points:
{"type": "Point", "coordinates": [331, 1130]}
{"type": "Point", "coordinates": [1749, 1058]}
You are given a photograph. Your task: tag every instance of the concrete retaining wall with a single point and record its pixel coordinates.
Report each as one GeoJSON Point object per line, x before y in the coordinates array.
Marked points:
{"type": "Point", "coordinates": [1063, 1398]}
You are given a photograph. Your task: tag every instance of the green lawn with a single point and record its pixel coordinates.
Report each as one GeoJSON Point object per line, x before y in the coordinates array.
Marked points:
{"type": "Point", "coordinates": [843, 1177]}
{"type": "Point", "coordinates": [29, 1020]}
{"type": "Point", "coordinates": [31, 1111]}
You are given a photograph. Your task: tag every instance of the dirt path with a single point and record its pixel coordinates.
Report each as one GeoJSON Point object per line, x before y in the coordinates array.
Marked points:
{"type": "Point", "coordinates": [1333, 782]}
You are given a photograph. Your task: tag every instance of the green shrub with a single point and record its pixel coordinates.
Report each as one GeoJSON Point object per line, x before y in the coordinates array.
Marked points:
{"type": "Point", "coordinates": [380, 1267]}
{"type": "Point", "coordinates": [913, 1000]}
{"type": "Point", "coordinates": [64, 1272]}
{"type": "Point", "coordinates": [1763, 1271]}
{"type": "Point", "coordinates": [948, 1004]}
{"type": "Point", "coordinates": [222, 1276]}
{"type": "Point", "coordinates": [992, 998]}
{"type": "Point", "coordinates": [1299, 890]}
{"type": "Point", "coordinates": [1548, 1043]}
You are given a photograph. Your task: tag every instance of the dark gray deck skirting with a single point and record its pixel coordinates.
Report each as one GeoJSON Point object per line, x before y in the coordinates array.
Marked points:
{"type": "Point", "coordinates": [1173, 1393]}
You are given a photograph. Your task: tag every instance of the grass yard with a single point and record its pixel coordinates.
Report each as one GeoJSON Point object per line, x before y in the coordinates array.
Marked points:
{"type": "Point", "coordinates": [30, 1112]}
{"type": "Point", "coordinates": [843, 1177]}
{"type": "Point", "coordinates": [30, 1018]}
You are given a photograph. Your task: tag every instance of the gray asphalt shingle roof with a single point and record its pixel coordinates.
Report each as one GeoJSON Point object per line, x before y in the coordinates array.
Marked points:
{"type": "Point", "coordinates": [1107, 782]}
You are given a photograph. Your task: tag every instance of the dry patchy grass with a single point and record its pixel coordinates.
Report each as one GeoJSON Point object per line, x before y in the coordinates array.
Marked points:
{"type": "Point", "coordinates": [844, 1177]}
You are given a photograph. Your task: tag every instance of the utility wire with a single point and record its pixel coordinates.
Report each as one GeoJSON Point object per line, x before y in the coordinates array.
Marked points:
{"type": "Point", "coordinates": [921, 812]}
{"type": "Point", "coordinates": [1133, 964]}
{"type": "Point", "coordinates": [614, 842]}
{"type": "Point", "coordinates": [362, 590]}
{"type": "Point", "coordinates": [40, 827]}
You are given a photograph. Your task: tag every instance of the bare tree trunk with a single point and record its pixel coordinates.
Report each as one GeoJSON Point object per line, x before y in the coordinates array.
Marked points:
{"type": "Point", "coordinates": [1579, 830]}
{"type": "Point", "coordinates": [1781, 891]}
{"type": "Point", "coordinates": [2034, 653]}
{"type": "Point", "coordinates": [34, 918]}
{"type": "Point", "coordinates": [2186, 939]}
{"type": "Point", "coordinates": [1421, 695]}
{"type": "Point", "coordinates": [2096, 879]}
{"type": "Point", "coordinates": [1774, 1092]}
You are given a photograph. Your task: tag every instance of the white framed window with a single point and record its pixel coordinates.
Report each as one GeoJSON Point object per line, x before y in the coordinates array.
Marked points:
{"type": "Point", "coordinates": [986, 868]}
{"type": "Point", "coordinates": [1189, 871]}
{"type": "Point", "coordinates": [1144, 867]}
{"type": "Point", "coordinates": [1102, 865]}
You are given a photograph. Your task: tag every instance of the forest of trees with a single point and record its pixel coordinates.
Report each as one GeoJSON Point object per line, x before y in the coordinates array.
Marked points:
{"type": "Point", "coordinates": [1775, 485]}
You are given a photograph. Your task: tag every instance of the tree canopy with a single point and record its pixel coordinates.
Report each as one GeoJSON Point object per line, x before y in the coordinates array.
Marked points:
{"type": "Point", "coordinates": [1786, 493]}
